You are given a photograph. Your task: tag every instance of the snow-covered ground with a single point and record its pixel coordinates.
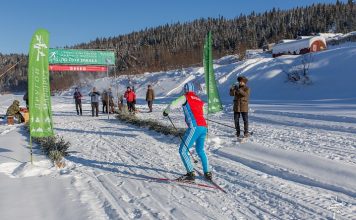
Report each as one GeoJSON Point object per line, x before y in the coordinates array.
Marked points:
{"type": "Point", "coordinates": [299, 164]}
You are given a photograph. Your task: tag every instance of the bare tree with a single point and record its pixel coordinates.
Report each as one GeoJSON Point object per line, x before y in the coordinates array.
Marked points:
{"type": "Point", "coordinates": [300, 73]}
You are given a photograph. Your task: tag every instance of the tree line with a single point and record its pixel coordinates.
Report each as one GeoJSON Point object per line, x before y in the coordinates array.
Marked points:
{"type": "Point", "coordinates": [178, 45]}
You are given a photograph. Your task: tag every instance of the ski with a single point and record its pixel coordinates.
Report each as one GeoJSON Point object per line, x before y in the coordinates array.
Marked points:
{"type": "Point", "coordinates": [211, 182]}
{"type": "Point", "coordinates": [183, 182]}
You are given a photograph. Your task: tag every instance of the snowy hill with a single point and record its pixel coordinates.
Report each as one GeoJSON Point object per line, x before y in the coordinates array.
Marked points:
{"type": "Point", "coordinates": [332, 74]}
{"type": "Point", "coordinates": [299, 164]}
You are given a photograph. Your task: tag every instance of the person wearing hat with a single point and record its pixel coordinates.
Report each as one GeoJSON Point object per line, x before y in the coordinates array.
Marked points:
{"type": "Point", "coordinates": [130, 97]}
{"type": "Point", "coordinates": [150, 96]}
{"type": "Point", "coordinates": [241, 95]}
{"type": "Point", "coordinates": [14, 111]}
{"type": "Point", "coordinates": [196, 132]}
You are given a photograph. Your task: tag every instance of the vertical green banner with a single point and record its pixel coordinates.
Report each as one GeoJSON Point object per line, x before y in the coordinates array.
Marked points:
{"type": "Point", "coordinates": [41, 124]}
{"type": "Point", "coordinates": [214, 103]}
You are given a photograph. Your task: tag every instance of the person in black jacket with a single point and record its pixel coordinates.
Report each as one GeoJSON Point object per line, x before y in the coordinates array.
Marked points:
{"type": "Point", "coordinates": [25, 98]}
{"type": "Point", "coordinates": [78, 101]}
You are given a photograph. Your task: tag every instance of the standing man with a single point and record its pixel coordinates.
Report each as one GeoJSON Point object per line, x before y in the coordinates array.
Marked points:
{"type": "Point", "coordinates": [94, 98]}
{"type": "Point", "coordinates": [104, 100]}
{"type": "Point", "coordinates": [196, 132]}
{"type": "Point", "coordinates": [78, 101]}
{"type": "Point", "coordinates": [130, 97]}
{"type": "Point", "coordinates": [111, 101]}
{"type": "Point", "coordinates": [241, 95]}
{"type": "Point", "coordinates": [121, 102]}
{"type": "Point", "coordinates": [150, 96]}
{"type": "Point", "coordinates": [25, 98]}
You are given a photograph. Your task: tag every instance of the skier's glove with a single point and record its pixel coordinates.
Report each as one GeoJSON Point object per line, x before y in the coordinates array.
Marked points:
{"type": "Point", "coordinates": [165, 114]}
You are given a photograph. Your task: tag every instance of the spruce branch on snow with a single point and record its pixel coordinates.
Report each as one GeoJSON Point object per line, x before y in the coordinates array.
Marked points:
{"type": "Point", "coordinates": [151, 124]}
{"type": "Point", "coordinates": [54, 147]}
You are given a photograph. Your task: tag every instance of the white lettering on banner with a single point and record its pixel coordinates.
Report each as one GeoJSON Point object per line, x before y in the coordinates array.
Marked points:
{"type": "Point", "coordinates": [39, 46]}
{"type": "Point", "coordinates": [53, 55]}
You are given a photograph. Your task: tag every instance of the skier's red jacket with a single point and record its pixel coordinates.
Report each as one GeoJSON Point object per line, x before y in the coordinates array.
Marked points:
{"type": "Point", "coordinates": [193, 110]}
{"type": "Point", "coordinates": [130, 96]}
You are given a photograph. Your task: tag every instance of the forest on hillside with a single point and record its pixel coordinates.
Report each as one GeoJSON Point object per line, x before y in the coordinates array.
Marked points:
{"type": "Point", "coordinates": [179, 45]}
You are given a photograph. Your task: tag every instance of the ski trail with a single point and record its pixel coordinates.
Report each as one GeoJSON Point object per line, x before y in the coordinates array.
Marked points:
{"type": "Point", "coordinates": [115, 160]}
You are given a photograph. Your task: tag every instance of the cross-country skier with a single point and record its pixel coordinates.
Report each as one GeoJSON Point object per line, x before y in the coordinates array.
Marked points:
{"type": "Point", "coordinates": [196, 132]}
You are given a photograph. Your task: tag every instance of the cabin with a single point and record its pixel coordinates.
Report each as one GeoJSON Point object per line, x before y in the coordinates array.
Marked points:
{"type": "Point", "coordinates": [302, 45]}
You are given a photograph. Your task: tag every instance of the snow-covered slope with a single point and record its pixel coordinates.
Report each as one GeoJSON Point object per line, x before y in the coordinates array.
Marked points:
{"type": "Point", "coordinates": [299, 164]}
{"type": "Point", "coordinates": [332, 74]}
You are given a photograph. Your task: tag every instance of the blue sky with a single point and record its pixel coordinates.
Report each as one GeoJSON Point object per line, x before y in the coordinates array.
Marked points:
{"type": "Point", "coordinates": [77, 21]}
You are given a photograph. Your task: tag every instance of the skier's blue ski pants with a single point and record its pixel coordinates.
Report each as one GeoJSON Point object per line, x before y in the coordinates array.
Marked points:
{"type": "Point", "coordinates": [194, 135]}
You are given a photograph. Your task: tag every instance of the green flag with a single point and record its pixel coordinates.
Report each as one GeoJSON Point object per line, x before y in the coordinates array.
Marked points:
{"type": "Point", "coordinates": [41, 124]}
{"type": "Point", "coordinates": [214, 103]}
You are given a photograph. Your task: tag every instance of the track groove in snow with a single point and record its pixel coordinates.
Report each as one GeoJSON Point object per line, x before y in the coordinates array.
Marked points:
{"type": "Point", "coordinates": [117, 157]}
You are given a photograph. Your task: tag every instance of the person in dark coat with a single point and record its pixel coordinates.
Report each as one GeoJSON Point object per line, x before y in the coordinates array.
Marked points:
{"type": "Point", "coordinates": [130, 97]}
{"type": "Point", "coordinates": [241, 95]}
{"type": "Point", "coordinates": [104, 100]}
{"type": "Point", "coordinates": [25, 98]}
{"type": "Point", "coordinates": [94, 98]}
{"type": "Point", "coordinates": [150, 96]}
{"type": "Point", "coordinates": [78, 101]}
{"type": "Point", "coordinates": [14, 111]}
{"type": "Point", "coordinates": [121, 102]}
{"type": "Point", "coordinates": [111, 101]}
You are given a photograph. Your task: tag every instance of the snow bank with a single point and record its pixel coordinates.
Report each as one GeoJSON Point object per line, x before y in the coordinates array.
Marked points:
{"type": "Point", "coordinates": [19, 170]}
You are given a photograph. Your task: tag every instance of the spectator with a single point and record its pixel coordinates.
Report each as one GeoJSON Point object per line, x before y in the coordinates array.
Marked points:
{"type": "Point", "coordinates": [150, 96]}
{"type": "Point", "coordinates": [130, 97]}
{"type": "Point", "coordinates": [94, 98]}
{"type": "Point", "coordinates": [78, 101]}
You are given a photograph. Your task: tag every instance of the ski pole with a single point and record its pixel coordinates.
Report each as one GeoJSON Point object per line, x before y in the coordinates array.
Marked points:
{"type": "Point", "coordinates": [195, 160]}
{"type": "Point", "coordinates": [220, 123]}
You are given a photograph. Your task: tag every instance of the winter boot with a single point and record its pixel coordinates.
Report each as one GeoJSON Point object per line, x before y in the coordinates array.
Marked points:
{"type": "Point", "coordinates": [238, 133]}
{"type": "Point", "coordinates": [208, 176]}
{"type": "Point", "coordinates": [187, 177]}
{"type": "Point", "coordinates": [246, 135]}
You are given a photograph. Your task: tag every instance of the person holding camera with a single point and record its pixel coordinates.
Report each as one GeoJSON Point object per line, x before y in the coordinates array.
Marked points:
{"type": "Point", "coordinates": [241, 95]}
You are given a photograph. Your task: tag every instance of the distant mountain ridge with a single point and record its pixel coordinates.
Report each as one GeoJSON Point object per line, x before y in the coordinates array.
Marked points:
{"type": "Point", "coordinates": [178, 45]}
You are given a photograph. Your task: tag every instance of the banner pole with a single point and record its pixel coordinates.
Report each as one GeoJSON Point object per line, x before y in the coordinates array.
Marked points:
{"type": "Point", "coordinates": [31, 157]}
{"type": "Point", "coordinates": [108, 103]}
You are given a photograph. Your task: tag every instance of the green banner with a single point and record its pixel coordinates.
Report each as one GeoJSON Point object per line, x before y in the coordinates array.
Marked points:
{"type": "Point", "coordinates": [41, 124]}
{"type": "Point", "coordinates": [81, 57]}
{"type": "Point", "coordinates": [214, 103]}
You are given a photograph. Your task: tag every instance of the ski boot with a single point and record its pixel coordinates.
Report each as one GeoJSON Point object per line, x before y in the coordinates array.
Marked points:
{"type": "Point", "coordinates": [190, 176]}
{"type": "Point", "coordinates": [208, 176]}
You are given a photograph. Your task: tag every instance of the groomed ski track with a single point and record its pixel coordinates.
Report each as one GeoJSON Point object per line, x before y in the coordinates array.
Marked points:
{"type": "Point", "coordinates": [114, 159]}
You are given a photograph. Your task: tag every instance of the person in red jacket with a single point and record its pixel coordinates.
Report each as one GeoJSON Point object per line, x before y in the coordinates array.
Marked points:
{"type": "Point", "coordinates": [193, 108]}
{"type": "Point", "coordinates": [130, 97]}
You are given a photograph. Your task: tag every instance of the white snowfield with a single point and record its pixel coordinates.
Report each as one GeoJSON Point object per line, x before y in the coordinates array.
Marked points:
{"type": "Point", "coordinates": [300, 162]}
